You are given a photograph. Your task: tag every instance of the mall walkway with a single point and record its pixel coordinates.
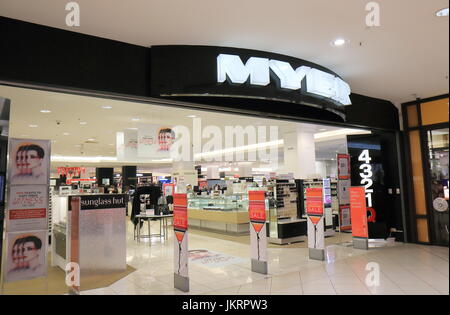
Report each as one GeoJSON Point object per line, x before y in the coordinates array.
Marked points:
{"type": "Point", "coordinates": [404, 269]}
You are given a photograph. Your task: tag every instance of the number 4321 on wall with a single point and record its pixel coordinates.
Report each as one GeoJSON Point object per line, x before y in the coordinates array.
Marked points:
{"type": "Point", "coordinates": [366, 175]}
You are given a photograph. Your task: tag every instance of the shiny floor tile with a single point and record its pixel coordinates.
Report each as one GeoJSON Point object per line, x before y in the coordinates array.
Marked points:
{"type": "Point", "coordinates": [399, 269]}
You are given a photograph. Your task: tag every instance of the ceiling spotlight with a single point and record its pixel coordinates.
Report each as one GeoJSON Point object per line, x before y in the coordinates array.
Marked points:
{"type": "Point", "coordinates": [443, 12]}
{"type": "Point", "coordinates": [339, 42]}
{"type": "Point", "coordinates": [135, 119]}
{"type": "Point", "coordinates": [192, 116]}
{"type": "Point", "coordinates": [106, 107]}
{"type": "Point", "coordinates": [66, 134]}
{"type": "Point", "coordinates": [91, 139]}
{"type": "Point", "coordinates": [83, 122]}
{"type": "Point", "coordinates": [33, 126]}
{"type": "Point", "coordinates": [323, 129]}
{"type": "Point", "coordinates": [45, 111]}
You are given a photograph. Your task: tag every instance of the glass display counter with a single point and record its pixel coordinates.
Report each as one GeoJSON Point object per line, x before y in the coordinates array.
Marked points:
{"type": "Point", "coordinates": [219, 203]}
{"type": "Point", "coordinates": [224, 213]}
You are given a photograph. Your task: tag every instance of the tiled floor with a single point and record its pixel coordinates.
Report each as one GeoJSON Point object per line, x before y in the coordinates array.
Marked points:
{"type": "Point", "coordinates": [403, 269]}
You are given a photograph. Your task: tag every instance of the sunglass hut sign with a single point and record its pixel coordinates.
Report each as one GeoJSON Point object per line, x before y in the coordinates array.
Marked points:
{"type": "Point", "coordinates": [318, 82]}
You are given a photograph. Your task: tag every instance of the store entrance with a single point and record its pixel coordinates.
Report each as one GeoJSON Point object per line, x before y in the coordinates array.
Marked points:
{"type": "Point", "coordinates": [106, 147]}
{"type": "Point", "coordinates": [375, 164]}
{"type": "Point", "coordinates": [437, 145]}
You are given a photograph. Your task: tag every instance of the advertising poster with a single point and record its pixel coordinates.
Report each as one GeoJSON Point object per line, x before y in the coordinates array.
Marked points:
{"type": "Point", "coordinates": [343, 163]}
{"type": "Point", "coordinates": [130, 144]}
{"type": "Point", "coordinates": [180, 227]}
{"type": "Point", "coordinates": [358, 212]}
{"type": "Point", "coordinates": [258, 235]}
{"type": "Point", "coordinates": [155, 141]}
{"type": "Point", "coordinates": [314, 201]}
{"type": "Point", "coordinates": [343, 191]}
{"type": "Point", "coordinates": [27, 208]}
{"type": "Point", "coordinates": [168, 189]}
{"type": "Point", "coordinates": [29, 162]}
{"type": "Point", "coordinates": [206, 258]}
{"type": "Point", "coordinates": [344, 212]}
{"type": "Point", "coordinates": [26, 255]}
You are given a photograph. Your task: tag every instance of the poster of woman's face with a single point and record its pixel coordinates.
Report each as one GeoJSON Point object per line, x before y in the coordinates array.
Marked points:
{"type": "Point", "coordinates": [29, 161]}
{"type": "Point", "coordinates": [26, 256]}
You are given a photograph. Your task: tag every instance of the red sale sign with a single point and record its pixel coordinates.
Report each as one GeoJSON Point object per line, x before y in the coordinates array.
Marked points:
{"type": "Point", "coordinates": [358, 212]}
{"type": "Point", "coordinates": [257, 206]}
{"type": "Point", "coordinates": [314, 201]}
{"type": "Point", "coordinates": [180, 214]}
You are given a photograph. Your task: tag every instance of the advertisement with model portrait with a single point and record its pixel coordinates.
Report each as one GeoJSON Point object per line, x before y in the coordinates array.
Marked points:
{"type": "Point", "coordinates": [155, 141]}
{"type": "Point", "coordinates": [29, 162]}
{"type": "Point", "coordinates": [26, 256]}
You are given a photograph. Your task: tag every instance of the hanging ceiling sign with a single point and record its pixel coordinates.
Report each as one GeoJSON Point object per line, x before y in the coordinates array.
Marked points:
{"type": "Point", "coordinates": [223, 74]}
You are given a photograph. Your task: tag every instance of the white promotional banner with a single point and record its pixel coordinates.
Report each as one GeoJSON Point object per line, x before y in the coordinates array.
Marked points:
{"type": "Point", "coordinates": [29, 162]}
{"type": "Point", "coordinates": [27, 208]}
{"type": "Point", "coordinates": [316, 239]}
{"type": "Point", "coordinates": [154, 141]}
{"type": "Point", "coordinates": [258, 241]}
{"type": "Point", "coordinates": [343, 187]}
{"type": "Point", "coordinates": [181, 255]}
{"type": "Point", "coordinates": [130, 144]}
{"type": "Point", "coordinates": [26, 213]}
{"type": "Point", "coordinates": [26, 255]}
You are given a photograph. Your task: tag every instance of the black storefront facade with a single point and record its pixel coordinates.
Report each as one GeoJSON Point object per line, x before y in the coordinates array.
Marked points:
{"type": "Point", "coordinates": [39, 57]}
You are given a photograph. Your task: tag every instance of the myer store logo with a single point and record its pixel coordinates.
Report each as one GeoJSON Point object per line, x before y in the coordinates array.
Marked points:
{"type": "Point", "coordinates": [318, 82]}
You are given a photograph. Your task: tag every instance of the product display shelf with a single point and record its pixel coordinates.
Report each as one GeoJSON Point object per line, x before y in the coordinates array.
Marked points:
{"type": "Point", "coordinates": [284, 224]}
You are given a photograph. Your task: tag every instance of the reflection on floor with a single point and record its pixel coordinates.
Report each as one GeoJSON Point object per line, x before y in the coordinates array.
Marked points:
{"type": "Point", "coordinates": [404, 269]}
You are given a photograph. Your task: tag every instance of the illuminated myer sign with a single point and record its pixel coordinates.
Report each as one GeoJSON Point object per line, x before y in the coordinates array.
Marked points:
{"type": "Point", "coordinates": [318, 82]}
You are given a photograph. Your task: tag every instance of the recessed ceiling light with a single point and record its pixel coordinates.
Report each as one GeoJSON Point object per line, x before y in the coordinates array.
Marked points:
{"type": "Point", "coordinates": [192, 116]}
{"type": "Point", "coordinates": [135, 119]}
{"type": "Point", "coordinates": [442, 12]}
{"type": "Point", "coordinates": [323, 129]}
{"type": "Point", "coordinates": [45, 111]}
{"type": "Point", "coordinates": [132, 128]}
{"type": "Point", "coordinates": [338, 42]}
{"type": "Point", "coordinates": [83, 122]}
{"type": "Point", "coordinates": [91, 139]}
{"type": "Point", "coordinates": [33, 126]}
{"type": "Point", "coordinates": [66, 134]}
{"type": "Point", "coordinates": [106, 107]}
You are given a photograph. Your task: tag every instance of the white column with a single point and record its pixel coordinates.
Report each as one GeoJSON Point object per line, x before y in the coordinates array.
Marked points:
{"type": "Point", "coordinates": [299, 152]}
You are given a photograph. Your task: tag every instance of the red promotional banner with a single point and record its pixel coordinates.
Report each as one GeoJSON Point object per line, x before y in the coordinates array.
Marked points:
{"type": "Point", "coordinates": [358, 212]}
{"type": "Point", "coordinates": [257, 206]}
{"type": "Point", "coordinates": [180, 214]}
{"type": "Point", "coordinates": [343, 166]}
{"type": "Point", "coordinates": [71, 171]}
{"type": "Point", "coordinates": [23, 214]}
{"type": "Point", "coordinates": [314, 201]}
